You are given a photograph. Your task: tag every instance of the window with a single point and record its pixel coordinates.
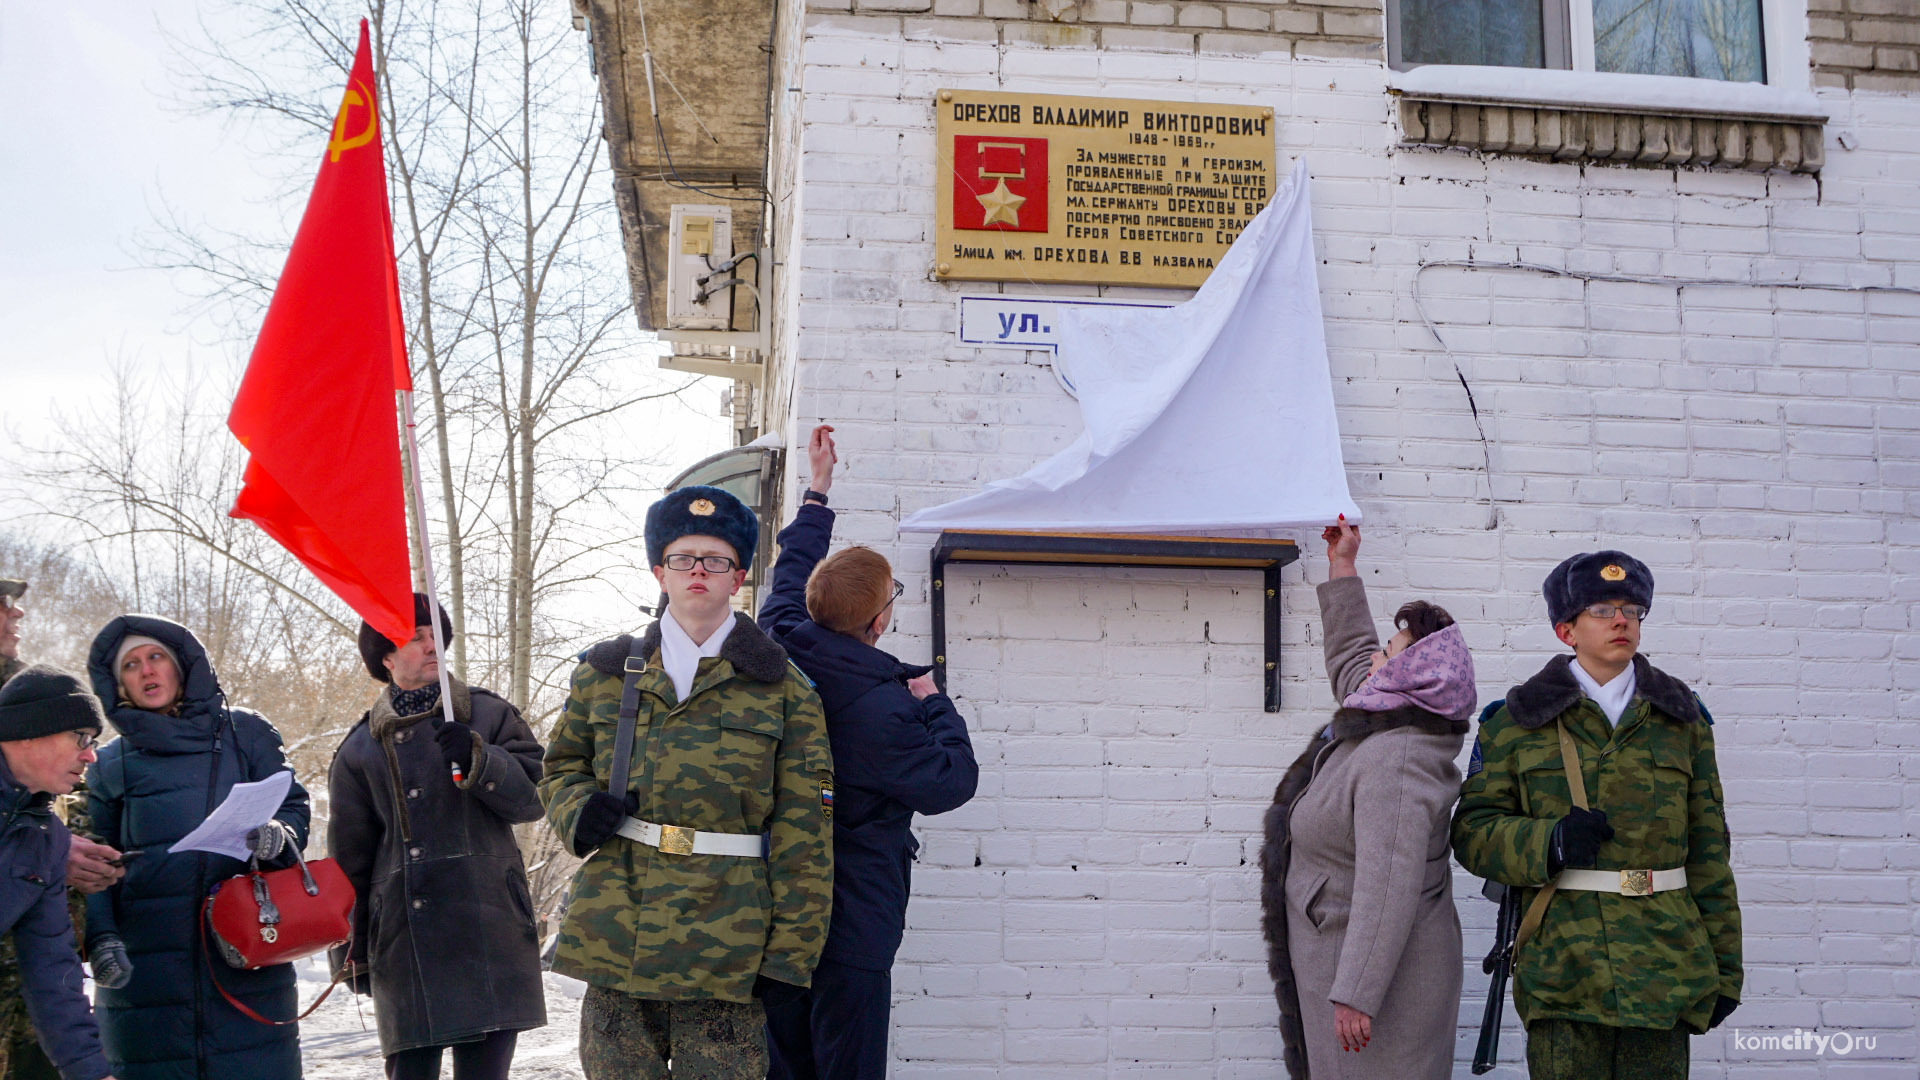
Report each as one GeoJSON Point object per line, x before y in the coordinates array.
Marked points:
{"type": "Point", "coordinates": [1702, 39]}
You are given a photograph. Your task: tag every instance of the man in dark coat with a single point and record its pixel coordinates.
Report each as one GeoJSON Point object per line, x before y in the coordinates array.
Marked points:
{"type": "Point", "coordinates": [90, 868]}
{"type": "Point", "coordinates": [48, 724]}
{"type": "Point", "coordinates": [423, 811]}
{"type": "Point", "coordinates": [181, 750]}
{"type": "Point", "coordinates": [901, 748]}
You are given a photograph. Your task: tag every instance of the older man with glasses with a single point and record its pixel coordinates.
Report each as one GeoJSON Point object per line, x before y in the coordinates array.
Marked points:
{"type": "Point", "coordinates": [91, 867]}
{"type": "Point", "coordinates": [1594, 789]}
{"type": "Point", "coordinates": [901, 747]}
{"type": "Point", "coordinates": [48, 724]}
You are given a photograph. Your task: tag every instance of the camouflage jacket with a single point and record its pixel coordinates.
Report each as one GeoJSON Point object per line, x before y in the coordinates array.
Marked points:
{"type": "Point", "coordinates": [1624, 961]}
{"type": "Point", "coordinates": [746, 752]}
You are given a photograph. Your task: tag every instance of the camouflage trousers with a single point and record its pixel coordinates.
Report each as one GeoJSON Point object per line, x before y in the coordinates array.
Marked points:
{"type": "Point", "coordinates": [628, 1038]}
{"type": "Point", "coordinates": [1576, 1050]}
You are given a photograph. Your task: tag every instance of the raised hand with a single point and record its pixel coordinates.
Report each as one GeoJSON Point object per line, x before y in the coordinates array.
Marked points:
{"type": "Point", "coordinates": [821, 458]}
{"type": "Point", "coordinates": [1343, 548]}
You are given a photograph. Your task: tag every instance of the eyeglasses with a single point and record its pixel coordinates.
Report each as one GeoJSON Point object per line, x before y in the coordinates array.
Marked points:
{"type": "Point", "coordinates": [714, 564]}
{"type": "Point", "coordinates": [1608, 611]}
{"type": "Point", "coordinates": [87, 740]}
{"type": "Point", "coordinates": [897, 590]}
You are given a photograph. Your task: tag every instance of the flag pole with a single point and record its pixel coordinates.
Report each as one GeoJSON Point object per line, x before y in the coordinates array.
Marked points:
{"type": "Point", "coordinates": [412, 447]}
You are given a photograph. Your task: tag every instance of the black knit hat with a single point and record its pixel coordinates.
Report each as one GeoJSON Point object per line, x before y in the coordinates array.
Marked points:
{"type": "Point", "coordinates": [43, 700]}
{"type": "Point", "coordinates": [375, 648]}
{"type": "Point", "coordinates": [1595, 577]}
{"type": "Point", "coordinates": [701, 511]}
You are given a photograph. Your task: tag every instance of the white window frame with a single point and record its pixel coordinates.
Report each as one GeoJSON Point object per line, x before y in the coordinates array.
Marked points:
{"type": "Point", "coordinates": [1786, 95]}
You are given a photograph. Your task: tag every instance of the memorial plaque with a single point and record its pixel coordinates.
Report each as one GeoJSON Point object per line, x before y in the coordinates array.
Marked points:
{"type": "Point", "coordinates": [1106, 191]}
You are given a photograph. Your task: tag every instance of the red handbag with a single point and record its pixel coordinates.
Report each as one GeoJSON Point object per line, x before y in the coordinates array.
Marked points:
{"type": "Point", "coordinates": [261, 918]}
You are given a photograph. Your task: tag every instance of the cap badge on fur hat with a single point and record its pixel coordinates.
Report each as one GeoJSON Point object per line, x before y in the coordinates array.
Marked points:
{"type": "Point", "coordinates": [701, 510]}
{"type": "Point", "coordinates": [1596, 577]}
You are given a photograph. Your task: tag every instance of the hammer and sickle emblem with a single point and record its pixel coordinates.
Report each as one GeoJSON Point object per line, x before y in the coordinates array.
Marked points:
{"type": "Point", "coordinates": [357, 94]}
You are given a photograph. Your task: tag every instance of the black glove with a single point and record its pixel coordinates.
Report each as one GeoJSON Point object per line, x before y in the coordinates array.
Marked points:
{"type": "Point", "coordinates": [1721, 1010]}
{"type": "Point", "coordinates": [774, 993]}
{"type": "Point", "coordinates": [1577, 839]}
{"type": "Point", "coordinates": [456, 742]}
{"type": "Point", "coordinates": [600, 818]}
{"type": "Point", "coordinates": [111, 968]}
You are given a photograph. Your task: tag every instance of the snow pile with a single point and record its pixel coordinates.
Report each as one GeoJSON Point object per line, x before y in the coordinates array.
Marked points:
{"type": "Point", "coordinates": [338, 1042]}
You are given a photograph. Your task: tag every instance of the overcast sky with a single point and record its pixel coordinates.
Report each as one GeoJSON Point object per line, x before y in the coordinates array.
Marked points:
{"type": "Point", "coordinates": [92, 143]}
{"type": "Point", "coordinates": [95, 144]}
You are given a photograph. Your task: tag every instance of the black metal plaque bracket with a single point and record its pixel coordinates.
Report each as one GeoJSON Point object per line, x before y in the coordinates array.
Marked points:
{"type": "Point", "coordinates": [1115, 549]}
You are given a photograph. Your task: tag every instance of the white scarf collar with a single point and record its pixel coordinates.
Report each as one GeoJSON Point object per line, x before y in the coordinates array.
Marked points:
{"type": "Point", "coordinates": [1614, 697]}
{"type": "Point", "coordinates": [681, 657]}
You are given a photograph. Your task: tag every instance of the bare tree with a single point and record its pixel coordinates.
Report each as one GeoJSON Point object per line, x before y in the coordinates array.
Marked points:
{"type": "Point", "coordinates": [519, 330]}
{"type": "Point", "coordinates": [130, 497]}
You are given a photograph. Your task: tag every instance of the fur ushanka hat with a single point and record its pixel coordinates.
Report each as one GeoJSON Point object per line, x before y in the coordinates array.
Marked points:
{"type": "Point", "coordinates": [701, 511]}
{"type": "Point", "coordinates": [1593, 578]}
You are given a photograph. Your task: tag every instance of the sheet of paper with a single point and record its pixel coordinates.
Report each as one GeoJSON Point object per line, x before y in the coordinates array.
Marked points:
{"type": "Point", "coordinates": [246, 808]}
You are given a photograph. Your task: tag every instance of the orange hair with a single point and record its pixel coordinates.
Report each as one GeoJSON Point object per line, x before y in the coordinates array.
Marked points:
{"type": "Point", "coordinates": [849, 588]}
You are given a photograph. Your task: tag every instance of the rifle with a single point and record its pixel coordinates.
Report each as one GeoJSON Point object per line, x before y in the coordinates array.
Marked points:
{"type": "Point", "coordinates": [1499, 965]}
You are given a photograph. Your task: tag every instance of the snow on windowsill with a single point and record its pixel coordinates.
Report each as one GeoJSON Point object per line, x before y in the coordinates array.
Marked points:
{"type": "Point", "coordinates": [1665, 94]}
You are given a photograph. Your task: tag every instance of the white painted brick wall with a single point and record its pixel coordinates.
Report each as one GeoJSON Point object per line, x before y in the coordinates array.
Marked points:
{"type": "Point", "coordinates": [1094, 911]}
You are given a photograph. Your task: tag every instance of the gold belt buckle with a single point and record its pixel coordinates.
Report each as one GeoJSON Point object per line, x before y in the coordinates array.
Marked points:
{"type": "Point", "coordinates": [676, 840]}
{"type": "Point", "coordinates": [1636, 883]}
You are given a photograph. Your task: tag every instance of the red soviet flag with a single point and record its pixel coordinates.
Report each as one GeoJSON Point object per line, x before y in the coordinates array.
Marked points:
{"type": "Point", "coordinates": [316, 408]}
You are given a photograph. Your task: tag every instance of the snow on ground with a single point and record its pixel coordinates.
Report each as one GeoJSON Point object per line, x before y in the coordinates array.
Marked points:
{"type": "Point", "coordinates": [338, 1042]}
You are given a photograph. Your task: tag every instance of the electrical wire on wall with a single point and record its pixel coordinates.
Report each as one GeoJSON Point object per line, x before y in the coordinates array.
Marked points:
{"type": "Point", "coordinates": [1675, 283]}
{"type": "Point", "coordinates": [672, 176]}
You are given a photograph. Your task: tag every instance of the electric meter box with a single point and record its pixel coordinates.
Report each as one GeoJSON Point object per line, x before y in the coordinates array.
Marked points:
{"type": "Point", "coordinates": [699, 238]}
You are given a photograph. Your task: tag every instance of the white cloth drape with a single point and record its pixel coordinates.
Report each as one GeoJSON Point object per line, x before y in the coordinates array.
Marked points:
{"type": "Point", "coordinates": [1213, 416]}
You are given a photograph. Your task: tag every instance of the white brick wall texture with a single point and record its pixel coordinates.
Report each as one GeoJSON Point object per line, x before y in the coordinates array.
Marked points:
{"type": "Point", "coordinates": [1094, 911]}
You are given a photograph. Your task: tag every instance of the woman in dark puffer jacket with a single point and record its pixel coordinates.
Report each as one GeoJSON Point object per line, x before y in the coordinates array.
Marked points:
{"type": "Point", "coordinates": [181, 750]}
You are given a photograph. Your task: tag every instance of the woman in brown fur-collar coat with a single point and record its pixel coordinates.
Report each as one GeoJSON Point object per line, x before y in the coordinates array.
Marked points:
{"type": "Point", "coordinates": [1362, 938]}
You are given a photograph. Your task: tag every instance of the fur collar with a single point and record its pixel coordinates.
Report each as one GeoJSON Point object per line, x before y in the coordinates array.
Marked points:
{"type": "Point", "coordinates": [1360, 723]}
{"type": "Point", "coordinates": [383, 722]}
{"type": "Point", "coordinates": [1536, 702]}
{"type": "Point", "coordinates": [752, 653]}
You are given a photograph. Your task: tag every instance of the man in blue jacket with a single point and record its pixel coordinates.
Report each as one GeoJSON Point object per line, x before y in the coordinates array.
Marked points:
{"type": "Point", "coordinates": [899, 747]}
{"type": "Point", "coordinates": [48, 724]}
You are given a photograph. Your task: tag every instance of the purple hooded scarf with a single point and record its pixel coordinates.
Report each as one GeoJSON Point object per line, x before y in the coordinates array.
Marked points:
{"type": "Point", "coordinates": [1434, 673]}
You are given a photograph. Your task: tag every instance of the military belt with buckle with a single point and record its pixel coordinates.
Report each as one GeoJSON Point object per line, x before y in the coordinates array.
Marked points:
{"type": "Point", "coordinates": [680, 840]}
{"type": "Point", "coordinates": [1624, 882]}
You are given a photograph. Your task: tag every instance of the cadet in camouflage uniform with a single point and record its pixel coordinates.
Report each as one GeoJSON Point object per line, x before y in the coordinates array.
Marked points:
{"type": "Point", "coordinates": [682, 931]}
{"type": "Point", "coordinates": [1633, 956]}
{"type": "Point", "coordinates": [21, 1057]}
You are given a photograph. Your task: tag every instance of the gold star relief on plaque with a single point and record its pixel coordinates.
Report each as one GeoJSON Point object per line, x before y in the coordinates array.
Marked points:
{"type": "Point", "coordinates": [1002, 206]}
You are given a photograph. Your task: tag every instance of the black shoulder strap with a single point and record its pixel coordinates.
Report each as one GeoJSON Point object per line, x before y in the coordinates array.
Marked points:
{"type": "Point", "coordinates": [629, 719]}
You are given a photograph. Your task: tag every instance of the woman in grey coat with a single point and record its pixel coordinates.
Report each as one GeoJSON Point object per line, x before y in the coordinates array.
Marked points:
{"type": "Point", "coordinates": [1363, 941]}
